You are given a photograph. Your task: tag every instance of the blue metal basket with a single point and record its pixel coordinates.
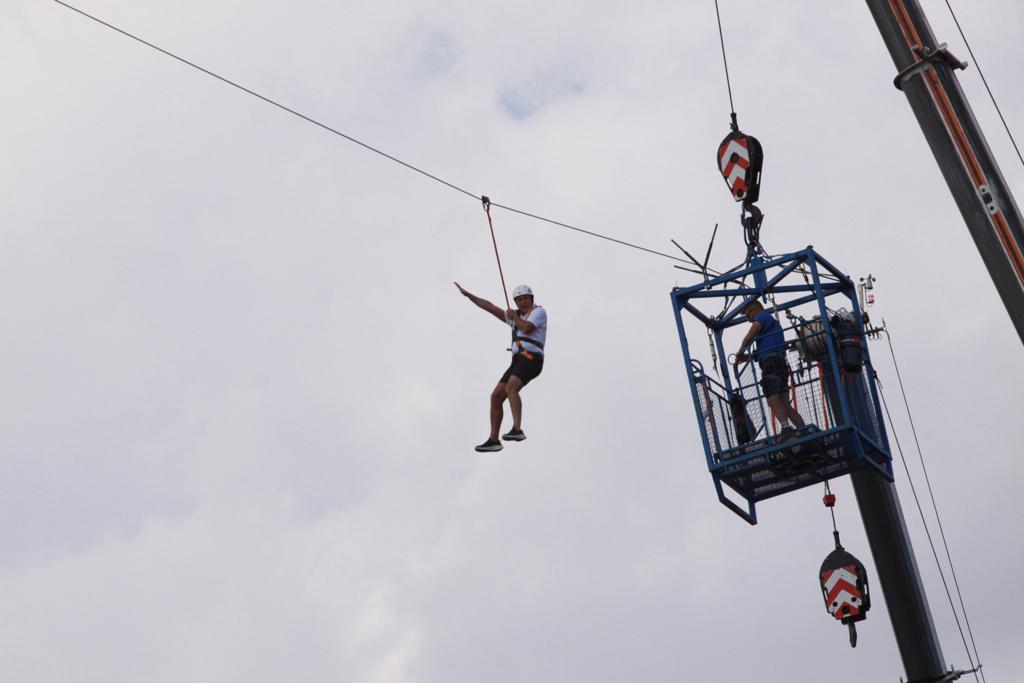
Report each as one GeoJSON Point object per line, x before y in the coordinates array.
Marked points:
{"type": "Point", "coordinates": [834, 393]}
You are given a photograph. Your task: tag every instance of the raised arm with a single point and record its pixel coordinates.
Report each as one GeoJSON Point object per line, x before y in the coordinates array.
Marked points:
{"type": "Point", "coordinates": [482, 303]}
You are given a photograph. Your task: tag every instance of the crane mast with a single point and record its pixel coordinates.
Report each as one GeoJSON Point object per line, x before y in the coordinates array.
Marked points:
{"type": "Point", "coordinates": [926, 73]}
{"type": "Point", "coordinates": [843, 432]}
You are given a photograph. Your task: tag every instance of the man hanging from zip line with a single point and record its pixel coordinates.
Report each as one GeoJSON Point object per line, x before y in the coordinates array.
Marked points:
{"type": "Point", "coordinates": [770, 355]}
{"type": "Point", "coordinates": [529, 325]}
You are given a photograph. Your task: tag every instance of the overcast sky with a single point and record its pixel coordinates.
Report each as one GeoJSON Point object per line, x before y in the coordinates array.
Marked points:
{"type": "Point", "coordinates": [240, 392]}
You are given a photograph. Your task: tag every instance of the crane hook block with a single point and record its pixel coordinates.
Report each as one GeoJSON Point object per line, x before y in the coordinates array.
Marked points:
{"type": "Point", "coordinates": [739, 160]}
{"type": "Point", "coordinates": [844, 585]}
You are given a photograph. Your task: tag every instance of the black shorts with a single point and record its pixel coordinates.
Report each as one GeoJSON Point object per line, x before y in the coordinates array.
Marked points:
{"type": "Point", "coordinates": [524, 368]}
{"type": "Point", "coordinates": [774, 374]}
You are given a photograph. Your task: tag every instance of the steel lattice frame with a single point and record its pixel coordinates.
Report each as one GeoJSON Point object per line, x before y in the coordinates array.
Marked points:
{"type": "Point", "coordinates": [791, 280]}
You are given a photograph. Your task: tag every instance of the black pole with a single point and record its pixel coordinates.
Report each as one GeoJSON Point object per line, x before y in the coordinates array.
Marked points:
{"type": "Point", "coordinates": [898, 576]}
{"type": "Point", "coordinates": [890, 546]}
{"type": "Point", "coordinates": [926, 74]}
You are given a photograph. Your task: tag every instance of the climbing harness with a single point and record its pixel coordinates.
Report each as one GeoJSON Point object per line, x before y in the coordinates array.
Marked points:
{"type": "Point", "coordinates": [516, 337]}
{"type": "Point", "coordinates": [844, 580]}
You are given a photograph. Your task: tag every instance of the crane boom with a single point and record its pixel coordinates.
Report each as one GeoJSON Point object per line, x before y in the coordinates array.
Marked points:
{"type": "Point", "coordinates": [926, 74]}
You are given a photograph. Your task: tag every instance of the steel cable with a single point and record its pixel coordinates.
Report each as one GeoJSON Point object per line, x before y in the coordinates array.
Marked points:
{"type": "Point", "coordinates": [927, 532]}
{"type": "Point", "coordinates": [371, 148]}
{"type": "Point", "coordinates": [985, 81]}
{"type": "Point", "coordinates": [931, 494]}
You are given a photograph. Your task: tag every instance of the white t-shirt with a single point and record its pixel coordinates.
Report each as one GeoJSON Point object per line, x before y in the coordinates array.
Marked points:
{"type": "Point", "coordinates": [539, 318]}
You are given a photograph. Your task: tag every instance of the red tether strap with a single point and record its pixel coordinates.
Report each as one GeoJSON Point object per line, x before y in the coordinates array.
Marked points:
{"type": "Point", "coordinates": [487, 210]}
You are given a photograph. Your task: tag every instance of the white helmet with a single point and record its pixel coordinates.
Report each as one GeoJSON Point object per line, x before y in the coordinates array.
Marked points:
{"type": "Point", "coordinates": [522, 290]}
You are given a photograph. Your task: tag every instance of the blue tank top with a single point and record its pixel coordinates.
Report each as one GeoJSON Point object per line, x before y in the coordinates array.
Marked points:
{"type": "Point", "coordinates": [770, 339]}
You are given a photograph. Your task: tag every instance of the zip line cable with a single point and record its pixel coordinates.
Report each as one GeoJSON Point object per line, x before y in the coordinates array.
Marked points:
{"type": "Point", "coordinates": [935, 507]}
{"type": "Point", "coordinates": [927, 532]}
{"type": "Point", "coordinates": [985, 81]}
{"type": "Point", "coordinates": [595, 234]}
{"type": "Point", "coordinates": [267, 99]}
{"type": "Point", "coordinates": [364, 145]}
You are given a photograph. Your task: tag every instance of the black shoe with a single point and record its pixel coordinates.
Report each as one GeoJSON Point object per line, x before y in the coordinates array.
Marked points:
{"type": "Point", "coordinates": [489, 446]}
{"type": "Point", "coordinates": [788, 434]}
{"type": "Point", "coordinates": [514, 435]}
